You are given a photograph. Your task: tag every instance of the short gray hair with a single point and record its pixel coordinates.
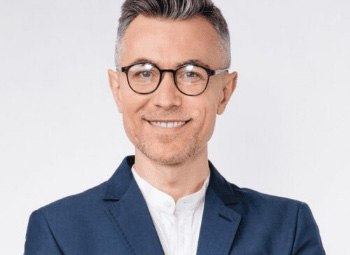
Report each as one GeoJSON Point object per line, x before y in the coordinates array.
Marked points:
{"type": "Point", "coordinates": [174, 9]}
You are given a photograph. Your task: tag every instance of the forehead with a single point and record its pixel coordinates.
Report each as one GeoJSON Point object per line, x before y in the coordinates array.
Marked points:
{"type": "Point", "coordinates": [168, 42]}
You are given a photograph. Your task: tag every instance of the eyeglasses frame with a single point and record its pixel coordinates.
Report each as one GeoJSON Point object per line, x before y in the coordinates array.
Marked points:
{"type": "Point", "coordinates": [210, 72]}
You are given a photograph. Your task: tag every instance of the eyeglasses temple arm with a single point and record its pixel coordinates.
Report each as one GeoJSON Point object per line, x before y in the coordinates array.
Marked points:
{"type": "Point", "coordinates": [220, 71]}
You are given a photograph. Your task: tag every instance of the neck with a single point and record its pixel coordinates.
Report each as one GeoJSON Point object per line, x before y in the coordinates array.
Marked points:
{"type": "Point", "coordinates": [176, 180]}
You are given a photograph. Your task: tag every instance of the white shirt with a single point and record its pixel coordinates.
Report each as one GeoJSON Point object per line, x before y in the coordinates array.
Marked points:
{"type": "Point", "coordinates": [177, 224]}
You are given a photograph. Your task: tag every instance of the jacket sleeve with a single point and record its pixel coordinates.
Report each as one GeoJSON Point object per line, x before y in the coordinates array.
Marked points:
{"type": "Point", "coordinates": [39, 238]}
{"type": "Point", "coordinates": [307, 237]}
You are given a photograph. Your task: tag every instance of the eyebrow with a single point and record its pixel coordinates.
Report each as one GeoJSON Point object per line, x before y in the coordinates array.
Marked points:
{"type": "Point", "coordinates": [186, 62]}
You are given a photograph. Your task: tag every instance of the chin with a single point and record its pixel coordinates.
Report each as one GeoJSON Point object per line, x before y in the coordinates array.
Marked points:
{"type": "Point", "coordinates": [170, 155]}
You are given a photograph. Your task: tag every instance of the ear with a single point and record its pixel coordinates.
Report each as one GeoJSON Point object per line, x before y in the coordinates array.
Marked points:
{"type": "Point", "coordinates": [230, 82]}
{"type": "Point", "coordinates": [115, 87]}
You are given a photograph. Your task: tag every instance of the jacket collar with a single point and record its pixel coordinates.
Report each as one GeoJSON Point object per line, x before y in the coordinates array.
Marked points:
{"type": "Point", "coordinates": [129, 213]}
{"type": "Point", "coordinates": [133, 221]}
{"type": "Point", "coordinates": [120, 181]}
{"type": "Point", "coordinates": [220, 221]}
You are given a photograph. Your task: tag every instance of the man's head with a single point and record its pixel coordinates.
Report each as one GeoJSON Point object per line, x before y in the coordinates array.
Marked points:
{"type": "Point", "coordinates": [175, 10]}
{"type": "Point", "coordinates": [166, 125]}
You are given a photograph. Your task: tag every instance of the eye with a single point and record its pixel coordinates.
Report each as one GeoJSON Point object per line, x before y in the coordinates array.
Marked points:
{"type": "Point", "coordinates": [191, 75]}
{"type": "Point", "coordinates": [144, 74]}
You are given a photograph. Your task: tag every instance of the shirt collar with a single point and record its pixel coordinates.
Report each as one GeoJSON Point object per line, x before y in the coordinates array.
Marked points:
{"type": "Point", "coordinates": [159, 200]}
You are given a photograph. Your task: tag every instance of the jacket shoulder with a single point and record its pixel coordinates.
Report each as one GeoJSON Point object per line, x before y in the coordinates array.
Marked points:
{"type": "Point", "coordinates": [253, 197]}
{"type": "Point", "coordinates": [77, 203]}
{"type": "Point", "coordinates": [256, 204]}
{"type": "Point", "coordinates": [287, 221]}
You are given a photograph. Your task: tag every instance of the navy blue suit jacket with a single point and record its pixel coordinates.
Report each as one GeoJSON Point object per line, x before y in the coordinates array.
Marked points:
{"type": "Point", "coordinates": [113, 218]}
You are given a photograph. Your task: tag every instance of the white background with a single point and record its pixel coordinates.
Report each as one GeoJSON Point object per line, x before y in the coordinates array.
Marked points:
{"type": "Point", "coordinates": [285, 132]}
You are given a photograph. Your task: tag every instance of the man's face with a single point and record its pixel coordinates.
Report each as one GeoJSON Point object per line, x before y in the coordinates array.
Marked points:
{"type": "Point", "coordinates": [167, 126]}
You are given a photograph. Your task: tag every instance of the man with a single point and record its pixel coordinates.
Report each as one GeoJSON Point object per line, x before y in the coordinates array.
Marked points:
{"type": "Point", "coordinates": [171, 81]}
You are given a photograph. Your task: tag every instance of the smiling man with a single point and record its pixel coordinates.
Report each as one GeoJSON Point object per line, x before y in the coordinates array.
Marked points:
{"type": "Point", "coordinates": [171, 82]}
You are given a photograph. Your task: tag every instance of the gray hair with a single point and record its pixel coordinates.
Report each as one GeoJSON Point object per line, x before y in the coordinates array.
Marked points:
{"type": "Point", "coordinates": [174, 9]}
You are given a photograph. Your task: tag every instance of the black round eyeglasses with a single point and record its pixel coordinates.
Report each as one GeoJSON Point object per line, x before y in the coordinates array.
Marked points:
{"type": "Point", "coordinates": [189, 79]}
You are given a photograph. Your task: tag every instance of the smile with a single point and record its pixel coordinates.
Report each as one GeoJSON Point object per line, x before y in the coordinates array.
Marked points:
{"type": "Point", "coordinates": [168, 124]}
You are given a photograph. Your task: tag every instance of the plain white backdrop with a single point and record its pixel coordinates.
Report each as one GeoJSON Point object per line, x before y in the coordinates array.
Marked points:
{"type": "Point", "coordinates": [285, 132]}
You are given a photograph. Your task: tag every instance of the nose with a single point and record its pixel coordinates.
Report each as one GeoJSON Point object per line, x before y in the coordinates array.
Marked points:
{"type": "Point", "coordinates": [167, 95]}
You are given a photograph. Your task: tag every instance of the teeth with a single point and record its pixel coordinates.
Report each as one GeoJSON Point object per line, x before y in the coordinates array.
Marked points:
{"type": "Point", "coordinates": [168, 124]}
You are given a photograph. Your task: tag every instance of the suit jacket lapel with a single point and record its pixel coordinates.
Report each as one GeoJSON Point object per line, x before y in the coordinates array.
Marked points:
{"type": "Point", "coordinates": [129, 213]}
{"type": "Point", "coordinates": [220, 222]}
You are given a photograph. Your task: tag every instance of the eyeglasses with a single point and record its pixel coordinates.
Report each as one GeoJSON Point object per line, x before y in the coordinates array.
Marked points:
{"type": "Point", "coordinates": [189, 79]}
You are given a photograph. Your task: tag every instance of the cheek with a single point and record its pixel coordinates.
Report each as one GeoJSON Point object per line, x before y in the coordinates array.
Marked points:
{"type": "Point", "coordinates": [132, 125]}
{"type": "Point", "coordinates": [207, 123]}
{"type": "Point", "coordinates": [131, 102]}
{"type": "Point", "coordinates": [132, 114]}
{"type": "Point", "coordinates": [211, 119]}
